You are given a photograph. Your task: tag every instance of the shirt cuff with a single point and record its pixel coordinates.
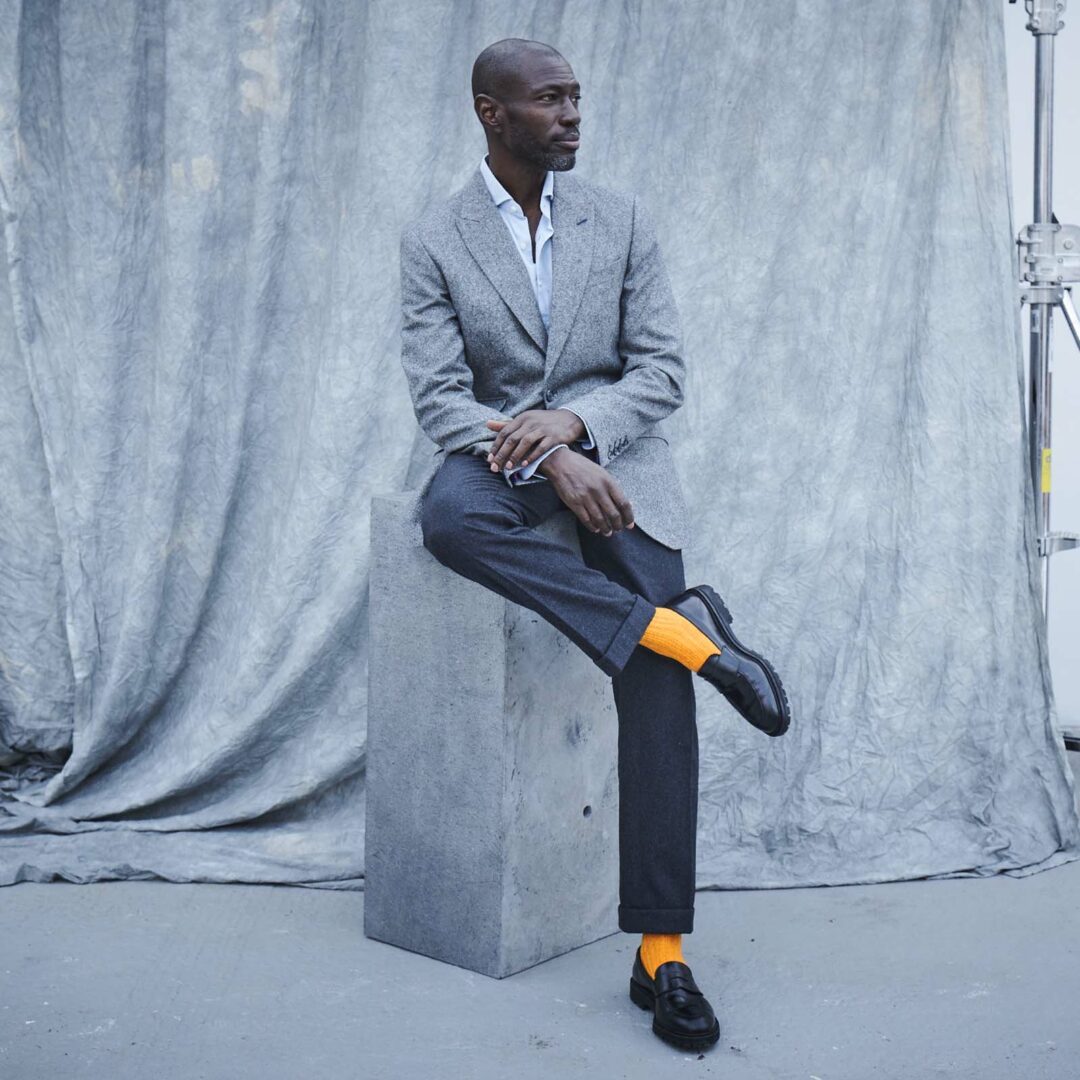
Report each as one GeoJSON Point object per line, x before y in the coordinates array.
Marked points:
{"type": "Point", "coordinates": [589, 442]}
{"type": "Point", "coordinates": [524, 473]}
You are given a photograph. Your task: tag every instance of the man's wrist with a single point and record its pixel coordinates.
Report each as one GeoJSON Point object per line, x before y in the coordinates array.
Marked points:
{"type": "Point", "coordinates": [580, 430]}
{"type": "Point", "coordinates": [553, 462]}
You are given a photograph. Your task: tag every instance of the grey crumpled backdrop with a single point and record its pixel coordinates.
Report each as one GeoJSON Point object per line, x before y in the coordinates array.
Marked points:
{"type": "Point", "coordinates": [199, 327]}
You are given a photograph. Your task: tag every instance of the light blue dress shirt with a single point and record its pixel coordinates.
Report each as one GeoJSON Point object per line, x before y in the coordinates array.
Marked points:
{"type": "Point", "coordinates": [539, 271]}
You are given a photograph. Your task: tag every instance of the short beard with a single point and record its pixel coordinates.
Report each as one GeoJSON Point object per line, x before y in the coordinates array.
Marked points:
{"type": "Point", "coordinates": [525, 146]}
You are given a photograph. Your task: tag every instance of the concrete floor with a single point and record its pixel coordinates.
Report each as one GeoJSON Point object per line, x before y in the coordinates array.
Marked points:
{"type": "Point", "coordinates": [907, 981]}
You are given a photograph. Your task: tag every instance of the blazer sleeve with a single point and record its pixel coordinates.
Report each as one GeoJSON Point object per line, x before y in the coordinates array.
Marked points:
{"type": "Point", "coordinates": [654, 373]}
{"type": "Point", "coordinates": [433, 356]}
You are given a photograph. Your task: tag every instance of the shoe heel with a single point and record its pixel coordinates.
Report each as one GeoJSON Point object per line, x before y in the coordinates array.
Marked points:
{"type": "Point", "coordinates": [641, 997]}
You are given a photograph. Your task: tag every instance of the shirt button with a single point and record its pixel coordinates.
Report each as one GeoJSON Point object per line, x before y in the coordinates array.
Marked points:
{"type": "Point", "coordinates": [548, 395]}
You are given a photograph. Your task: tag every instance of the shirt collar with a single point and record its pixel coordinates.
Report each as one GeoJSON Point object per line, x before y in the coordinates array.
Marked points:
{"type": "Point", "coordinates": [499, 194]}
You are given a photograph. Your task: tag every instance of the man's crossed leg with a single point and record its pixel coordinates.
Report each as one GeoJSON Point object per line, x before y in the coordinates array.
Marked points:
{"type": "Point", "coordinates": [623, 601]}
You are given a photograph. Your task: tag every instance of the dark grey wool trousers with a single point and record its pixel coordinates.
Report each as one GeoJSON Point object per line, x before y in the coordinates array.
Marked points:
{"type": "Point", "coordinates": [477, 525]}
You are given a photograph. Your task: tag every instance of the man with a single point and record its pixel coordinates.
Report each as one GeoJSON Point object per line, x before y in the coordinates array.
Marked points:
{"type": "Point", "coordinates": [540, 340]}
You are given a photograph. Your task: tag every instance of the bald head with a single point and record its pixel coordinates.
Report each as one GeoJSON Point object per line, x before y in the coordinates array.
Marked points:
{"type": "Point", "coordinates": [526, 98]}
{"type": "Point", "coordinates": [498, 69]}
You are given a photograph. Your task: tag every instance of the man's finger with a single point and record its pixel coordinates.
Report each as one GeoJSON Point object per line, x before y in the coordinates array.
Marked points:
{"type": "Point", "coordinates": [625, 510]}
{"type": "Point", "coordinates": [612, 517]}
{"type": "Point", "coordinates": [531, 447]}
{"type": "Point", "coordinates": [497, 425]}
{"type": "Point", "coordinates": [593, 517]}
{"type": "Point", "coordinates": [506, 429]}
{"type": "Point", "coordinates": [508, 452]}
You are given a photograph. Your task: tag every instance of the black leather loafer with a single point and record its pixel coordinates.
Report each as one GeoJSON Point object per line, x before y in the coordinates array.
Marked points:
{"type": "Point", "coordinates": [746, 679]}
{"type": "Point", "coordinates": [682, 1015]}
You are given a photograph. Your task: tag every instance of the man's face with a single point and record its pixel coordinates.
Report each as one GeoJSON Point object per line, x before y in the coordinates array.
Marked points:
{"type": "Point", "coordinates": [541, 118]}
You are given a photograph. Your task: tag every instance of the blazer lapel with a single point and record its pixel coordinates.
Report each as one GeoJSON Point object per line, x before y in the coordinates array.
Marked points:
{"type": "Point", "coordinates": [488, 239]}
{"type": "Point", "coordinates": [571, 258]}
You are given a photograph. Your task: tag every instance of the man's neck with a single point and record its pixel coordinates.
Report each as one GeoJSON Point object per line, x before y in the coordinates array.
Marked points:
{"type": "Point", "coordinates": [520, 178]}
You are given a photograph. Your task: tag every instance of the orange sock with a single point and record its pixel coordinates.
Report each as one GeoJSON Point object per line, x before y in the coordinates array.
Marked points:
{"type": "Point", "coordinates": [670, 634]}
{"type": "Point", "coordinates": [657, 949]}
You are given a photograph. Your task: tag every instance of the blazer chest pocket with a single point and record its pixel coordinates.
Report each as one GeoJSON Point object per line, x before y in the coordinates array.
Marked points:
{"type": "Point", "coordinates": [609, 268]}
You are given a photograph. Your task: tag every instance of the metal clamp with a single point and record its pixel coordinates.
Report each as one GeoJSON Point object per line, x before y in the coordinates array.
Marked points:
{"type": "Point", "coordinates": [1049, 254]}
{"type": "Point", "coordinates": [1043, 294]}
{"type": "Point", "coordinates": [1057, 541]}
{"type": "Point", "coordinates": [1043, 16]}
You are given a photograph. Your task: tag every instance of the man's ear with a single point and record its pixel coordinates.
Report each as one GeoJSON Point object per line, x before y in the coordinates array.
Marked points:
{"type": "Point", "coordinates": [487, 109]}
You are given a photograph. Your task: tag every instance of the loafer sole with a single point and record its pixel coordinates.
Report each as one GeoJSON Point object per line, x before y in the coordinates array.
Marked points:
{"type": "Point", "coordinates": [711, 599]}
{"type": "Point", "coordinates": [644, 998]}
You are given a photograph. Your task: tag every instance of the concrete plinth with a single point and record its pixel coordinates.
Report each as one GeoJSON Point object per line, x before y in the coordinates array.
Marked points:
{"type": "Point", "coordinates": [492, 785]}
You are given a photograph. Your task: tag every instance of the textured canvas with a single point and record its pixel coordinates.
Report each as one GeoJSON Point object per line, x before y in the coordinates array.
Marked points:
{"type": "Point", "coordinates": [200, 207]}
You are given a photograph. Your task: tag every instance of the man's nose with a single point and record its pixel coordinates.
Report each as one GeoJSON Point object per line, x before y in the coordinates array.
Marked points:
{"type": "Point", "coordinates": [571, 117]}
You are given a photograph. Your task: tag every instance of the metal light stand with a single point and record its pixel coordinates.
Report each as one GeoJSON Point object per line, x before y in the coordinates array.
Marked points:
{"type": "Point", "coordinates": [1048, 264]}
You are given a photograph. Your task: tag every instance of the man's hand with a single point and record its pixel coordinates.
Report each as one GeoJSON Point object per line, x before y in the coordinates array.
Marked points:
{"type": "Point", "coordinates": [530, 434]}
{"type": "Point", "coordinates": [589, 490]}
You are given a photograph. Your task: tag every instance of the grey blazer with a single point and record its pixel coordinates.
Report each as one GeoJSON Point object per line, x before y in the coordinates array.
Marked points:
{"type": "Point", "coordinates": [474, 347]}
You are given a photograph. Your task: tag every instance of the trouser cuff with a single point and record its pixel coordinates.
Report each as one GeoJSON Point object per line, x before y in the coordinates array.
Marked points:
{"type": "Point", "coordinates": [656, 920]}
{"type": "Point", "coordinates": [626, 638]}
